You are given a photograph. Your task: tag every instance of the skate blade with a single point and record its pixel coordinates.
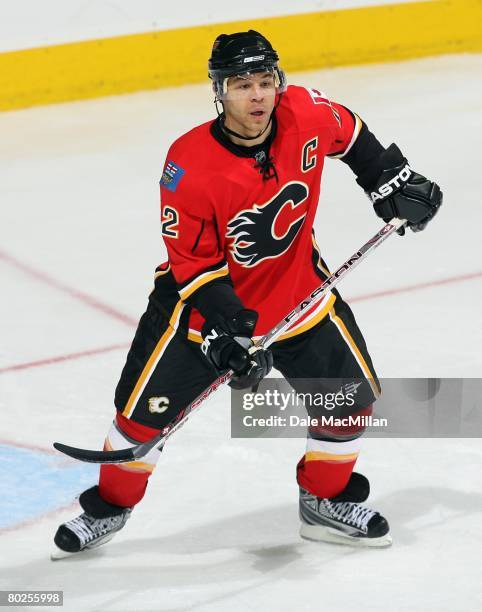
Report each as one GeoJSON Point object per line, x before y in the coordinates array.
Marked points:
{"type": "Point", "coordinates": [58, 553]}
{"type": "Point", "coordinates": [320, 533]}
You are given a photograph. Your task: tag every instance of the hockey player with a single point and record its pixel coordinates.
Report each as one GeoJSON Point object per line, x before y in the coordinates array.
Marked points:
{"type": "Point", "coordinates": [238, 201]}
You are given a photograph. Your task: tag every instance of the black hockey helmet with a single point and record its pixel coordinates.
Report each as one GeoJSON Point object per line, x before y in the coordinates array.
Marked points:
{"type": "Point", "coordinates": [242, 53]}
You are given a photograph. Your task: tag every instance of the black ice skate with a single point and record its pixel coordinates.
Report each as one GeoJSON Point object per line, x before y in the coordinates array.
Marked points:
{"type": "Point", "coordinates": [342, 519]}
{"type": "Point", "coordinates": [96, 526]}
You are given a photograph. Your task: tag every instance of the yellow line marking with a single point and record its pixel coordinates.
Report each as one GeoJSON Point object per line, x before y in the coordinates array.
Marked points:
{"type": "Point", "coordinates": [167, 58]}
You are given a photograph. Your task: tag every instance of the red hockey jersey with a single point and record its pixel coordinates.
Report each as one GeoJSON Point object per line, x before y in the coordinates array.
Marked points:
{"type": "Point", "coordinates": [219, 217]}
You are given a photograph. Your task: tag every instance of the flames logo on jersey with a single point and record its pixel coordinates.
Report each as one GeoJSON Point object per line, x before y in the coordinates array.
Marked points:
{"type": "Point", "coordinates": [257, 232]}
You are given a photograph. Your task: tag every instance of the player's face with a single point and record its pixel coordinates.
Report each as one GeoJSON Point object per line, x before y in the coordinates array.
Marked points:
{"type": "Point", "coordinates": [249, 102]}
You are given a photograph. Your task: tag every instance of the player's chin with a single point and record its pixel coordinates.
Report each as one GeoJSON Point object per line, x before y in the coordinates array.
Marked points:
{"type": "Point", "coordinates": [258, 120]}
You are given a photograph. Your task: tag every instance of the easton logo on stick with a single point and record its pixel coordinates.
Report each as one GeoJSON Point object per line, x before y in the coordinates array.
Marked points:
{"type": "Point", "coordinates": [329, 281]}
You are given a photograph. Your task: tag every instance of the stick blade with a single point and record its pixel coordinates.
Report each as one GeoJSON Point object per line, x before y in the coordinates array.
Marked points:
{"type": "Point", "coordinates": [91, 456]}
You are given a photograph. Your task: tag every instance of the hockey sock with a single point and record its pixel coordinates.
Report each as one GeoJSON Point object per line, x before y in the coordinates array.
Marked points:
{"type": "Point", "coordinates": [124, 484]}
{"type": "Point", "coordinates": [326, 467]}
{"type": "Point", "coordinates": [331, 454]}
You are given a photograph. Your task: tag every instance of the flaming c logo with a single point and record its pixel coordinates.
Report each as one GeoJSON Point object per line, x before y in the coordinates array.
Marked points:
{"type": "Point", "coordinates": [267, 230]}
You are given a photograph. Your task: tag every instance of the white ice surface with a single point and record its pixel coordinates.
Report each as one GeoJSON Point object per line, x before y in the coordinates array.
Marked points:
{"type": "Point", "coordinates": [217, 530]}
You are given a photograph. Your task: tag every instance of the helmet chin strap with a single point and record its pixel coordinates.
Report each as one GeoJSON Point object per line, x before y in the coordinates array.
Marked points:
{"type": "Point", "coordinates": [230, 132]}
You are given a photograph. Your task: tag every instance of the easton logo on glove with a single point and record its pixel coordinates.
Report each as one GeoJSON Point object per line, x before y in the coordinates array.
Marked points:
{"type": "Point", "coordinates": [390, 186]}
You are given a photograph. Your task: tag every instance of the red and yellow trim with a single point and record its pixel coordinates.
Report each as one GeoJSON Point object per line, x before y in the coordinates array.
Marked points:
{"type": "Point", "coordinates": [159, 273]}
{"type": "Point", "coordinates": [356, 132]}
{"type": "Point", "coordinates": [201, 280]}
{"type": "Point", "coordinates": [330, 457]}
{"type": "Point", "coordinates": [320, 265]}
{"type": "Point", "coordinates": [356, 352]}
{"type": "Point", "coordinates": [154, 360]}
{"type": "Point", "coordinates": [311, 320]}
{"type": "Point", "coordinates": [194, 336]}
{"type": "Point", "coordinates": [131, 466]}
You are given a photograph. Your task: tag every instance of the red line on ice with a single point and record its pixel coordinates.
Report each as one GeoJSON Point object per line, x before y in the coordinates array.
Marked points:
{"type": "Point", "coordinates": [39, 449]}
{"type": "Point", "coordinates": [359, 298]}
{"type": "Point", "coordinates": [34, 520]}
{"type": "Point", "coordinates": [60, 358]}
{"type": "Point", "coordinates": [419, 286]}
{"type": "Point", "coordinates": [85, 298]}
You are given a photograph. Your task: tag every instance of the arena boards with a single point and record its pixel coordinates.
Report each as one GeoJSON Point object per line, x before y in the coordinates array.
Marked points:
{"type": "Point", "coordinates": [167, 58]}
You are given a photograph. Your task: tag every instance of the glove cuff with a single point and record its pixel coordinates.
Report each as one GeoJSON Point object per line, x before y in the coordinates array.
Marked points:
{"type": "Point", "coordinates": [388, 159]}
{"type": "Point", "coordinates": [241, 324]}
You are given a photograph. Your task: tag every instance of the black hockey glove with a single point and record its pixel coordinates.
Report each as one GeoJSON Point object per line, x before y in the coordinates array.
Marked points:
{"type": "Point", "coordinates": [228, 346]}
{"type": "Point", "coordinates": [401, 192]}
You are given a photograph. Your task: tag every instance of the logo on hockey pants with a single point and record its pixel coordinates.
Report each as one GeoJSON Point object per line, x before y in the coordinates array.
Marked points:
{"type": "Point", "coordinates": [158, 405]}
{"type": "Point", "coordinates": [268, 230]}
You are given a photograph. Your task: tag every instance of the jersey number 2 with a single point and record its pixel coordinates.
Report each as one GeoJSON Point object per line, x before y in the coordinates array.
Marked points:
{"type": "Point", "coordinates": [169, 222]}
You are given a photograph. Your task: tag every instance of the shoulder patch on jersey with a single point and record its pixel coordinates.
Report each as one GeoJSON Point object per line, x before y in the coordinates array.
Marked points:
{"type": "Point", "coordinates": [171, 176]}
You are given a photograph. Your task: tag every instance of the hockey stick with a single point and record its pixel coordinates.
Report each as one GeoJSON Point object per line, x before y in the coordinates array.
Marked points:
{"type": "Point", "coordinates": [140, 450]}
